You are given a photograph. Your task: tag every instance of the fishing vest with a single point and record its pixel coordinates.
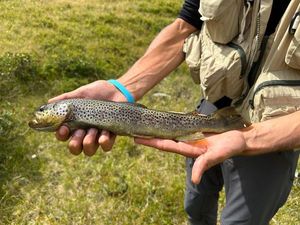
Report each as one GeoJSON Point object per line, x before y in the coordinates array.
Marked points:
{"type": "Point", "coordinates": [222, 54]}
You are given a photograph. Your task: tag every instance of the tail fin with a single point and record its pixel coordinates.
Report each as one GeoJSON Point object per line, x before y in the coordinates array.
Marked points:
{"type": "Point", "coordinates": [230, 118]}
{"type": "Point", "coordinates": [225, 112]}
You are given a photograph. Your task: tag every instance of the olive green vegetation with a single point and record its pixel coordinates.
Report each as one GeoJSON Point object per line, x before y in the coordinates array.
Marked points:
{"type": "Point", "coordinates": [50, 47]}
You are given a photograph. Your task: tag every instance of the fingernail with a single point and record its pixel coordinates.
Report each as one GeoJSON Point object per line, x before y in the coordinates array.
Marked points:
{"type": "Point", "coordinates": [63, 131]}
{"type": "Point", "coordinates": [92, 131]}
{"type": "Point", "coordinates": [79, 133]}
{"type": "Point", "coordinates": [105, 132]}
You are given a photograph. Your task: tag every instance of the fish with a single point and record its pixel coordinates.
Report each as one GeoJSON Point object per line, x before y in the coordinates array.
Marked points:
{"type": "Point", "coordinates": [132, 119]}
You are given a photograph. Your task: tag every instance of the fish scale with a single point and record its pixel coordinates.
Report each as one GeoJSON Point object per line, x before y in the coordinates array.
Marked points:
{"type": "Point", "coordinates": [131, 119]}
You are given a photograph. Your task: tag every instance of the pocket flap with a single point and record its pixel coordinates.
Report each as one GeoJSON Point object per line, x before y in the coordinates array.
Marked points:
{"type": "Point", "coordinates": [213, 9]}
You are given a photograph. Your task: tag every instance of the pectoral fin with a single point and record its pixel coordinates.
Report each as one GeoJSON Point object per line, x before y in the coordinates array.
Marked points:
{"type": "Point", "coordinates": [141, 136]}
{"type": "Point", "coordinates": [191, 137]}
{"type": "Point", "coordinates": [199, 143]}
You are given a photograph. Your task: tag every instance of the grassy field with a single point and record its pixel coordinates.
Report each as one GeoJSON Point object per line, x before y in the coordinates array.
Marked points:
{"type": "Point", "coordinates": [49, 47]}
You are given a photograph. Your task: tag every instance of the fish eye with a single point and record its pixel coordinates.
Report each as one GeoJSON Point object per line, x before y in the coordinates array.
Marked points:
{"type": "Point", "coordinates": [42, 108]}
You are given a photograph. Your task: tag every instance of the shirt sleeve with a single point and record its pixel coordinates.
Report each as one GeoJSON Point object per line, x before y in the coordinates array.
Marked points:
{"type": "Point", "coordinates": [189, 13]}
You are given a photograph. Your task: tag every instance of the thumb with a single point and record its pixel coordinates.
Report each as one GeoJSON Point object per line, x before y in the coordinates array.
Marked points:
{"type": "Point", "coordinates": [71, 94]}
{"type": "Point", "coordinates": [199, 167]}
{"type": "Point", "coordinates": [203, 163]}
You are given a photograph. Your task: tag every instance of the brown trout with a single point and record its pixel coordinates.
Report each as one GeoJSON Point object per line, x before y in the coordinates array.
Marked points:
{"type": "Point", "coordinates": [132, 119]}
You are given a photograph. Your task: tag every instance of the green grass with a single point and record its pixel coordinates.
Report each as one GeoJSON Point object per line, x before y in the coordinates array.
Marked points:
{"type": "Point", "coordinates": [49, 47]}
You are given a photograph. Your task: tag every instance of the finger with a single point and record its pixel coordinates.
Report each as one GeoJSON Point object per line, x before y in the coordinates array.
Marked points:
{"type": "Point", "coordinates": [106, 140]}
{"type": "Point", "coordinates": [71, 94]}
{"type": "Point", "coordinates": [90, 143]}
{"type": "Point", "coordinates": [181, 148]}
{"type": "Point", "coordinates": [198, 169]}
{"type": "Point", "coordinates": [59, 97]}
{"type": "Point", "coordinates": [75, 144]}
{"type": "Point", "coordinates": [161, 144]}
{"type": "Point", "coordinates": [63, 133]}
{"type": "Point", "coordinates": [203, 163]}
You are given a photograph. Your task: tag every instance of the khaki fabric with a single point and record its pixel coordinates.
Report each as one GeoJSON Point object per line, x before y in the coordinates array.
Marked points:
{"type": "Point", "coordinates": [221, 18]}
{"type": "Point", "coordinates": [274, 100]}
{"type": "Point", "coordinates": [292, 57]}
{"type": "Point", "coordinates": [218, 66]}
{"type": "Point", "coordinates": [220, 70]}
{"type": "Point", "coordinates": [276, 57]}
{"type": "Point", "coordinates": [192, 50]}
{"type": "Point", "coordinates": [277, 89]}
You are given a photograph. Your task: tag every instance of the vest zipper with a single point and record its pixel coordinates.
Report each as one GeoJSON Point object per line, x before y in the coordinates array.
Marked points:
{"type": "Point", "coordinates": [243, 57]}
{"type": "Point", "coordinates": [272, 83]}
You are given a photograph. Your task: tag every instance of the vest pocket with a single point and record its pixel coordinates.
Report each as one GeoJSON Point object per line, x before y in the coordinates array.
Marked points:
{"type": "Point", "coordinates": [192, 50]}
{"type": "Point", "coordinates": [275, 94]}
{"type": "Point", "coordinates": [292, 57]}
{"type": "Point", "coordinates": [218, 68]}
{"type": "Point", "coordinates": [221, 69]}
{"type": "Point", "coordinates": [221, 18]}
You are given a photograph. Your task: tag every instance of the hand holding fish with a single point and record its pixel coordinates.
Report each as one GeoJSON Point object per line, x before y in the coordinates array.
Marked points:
{"type": "Point", "coordinates": [210, 151]}
{"type": "Point", "coordinates": [89, 140]}
{"type": "Point", "coordinates": [277, 134]}
{"type": "Point", "coordinates": [235, 135]}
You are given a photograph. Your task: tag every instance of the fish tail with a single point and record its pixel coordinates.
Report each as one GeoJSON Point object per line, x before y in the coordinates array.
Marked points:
{"type": "Point", "coordinates": [230, 119]}
{"type": "Point", "coordinates": [225, 112]}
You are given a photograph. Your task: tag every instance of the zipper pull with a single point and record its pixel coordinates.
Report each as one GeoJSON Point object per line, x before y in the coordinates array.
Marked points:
{"type": "Point", "coordinates": [294, 23]}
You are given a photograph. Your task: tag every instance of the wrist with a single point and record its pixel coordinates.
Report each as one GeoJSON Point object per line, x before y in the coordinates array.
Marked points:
{"type": "Point", "coordinates": [123, 90]}
{"type": "Point", "coordinates": [249, 134]}
{"type": "Point", "coordinates": [256, 139]}
{"type": "Point", "coordinates": [115, 94]}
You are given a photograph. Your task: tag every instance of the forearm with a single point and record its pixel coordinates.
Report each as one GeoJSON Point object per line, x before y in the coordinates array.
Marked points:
{"type": "Point", "coordinates": [163, 56]}
{"type": "Point", "coordinates": [273, 135]}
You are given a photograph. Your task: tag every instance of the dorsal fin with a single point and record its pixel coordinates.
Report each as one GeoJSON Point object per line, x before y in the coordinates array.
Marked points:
{"type": "Point", "coordinates": [196, 113]}
{"type": "Point", "coordinates": [225, 112]}
{"type": "Point", "coordinates": [177, 112]}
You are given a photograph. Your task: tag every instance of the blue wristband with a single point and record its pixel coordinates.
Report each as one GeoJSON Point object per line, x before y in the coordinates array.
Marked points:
{"type": "Point", "coordinates": [123, 90]}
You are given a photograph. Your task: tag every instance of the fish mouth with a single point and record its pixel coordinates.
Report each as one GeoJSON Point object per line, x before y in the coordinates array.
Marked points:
{"type": "Point", "coordinates": [35, 124]}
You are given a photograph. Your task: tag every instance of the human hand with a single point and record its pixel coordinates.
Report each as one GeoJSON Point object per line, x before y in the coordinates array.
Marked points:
{"type": "Point", "coordinates": [89, 141]}
{"type": "Point", "coordinates": [210, 151]}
